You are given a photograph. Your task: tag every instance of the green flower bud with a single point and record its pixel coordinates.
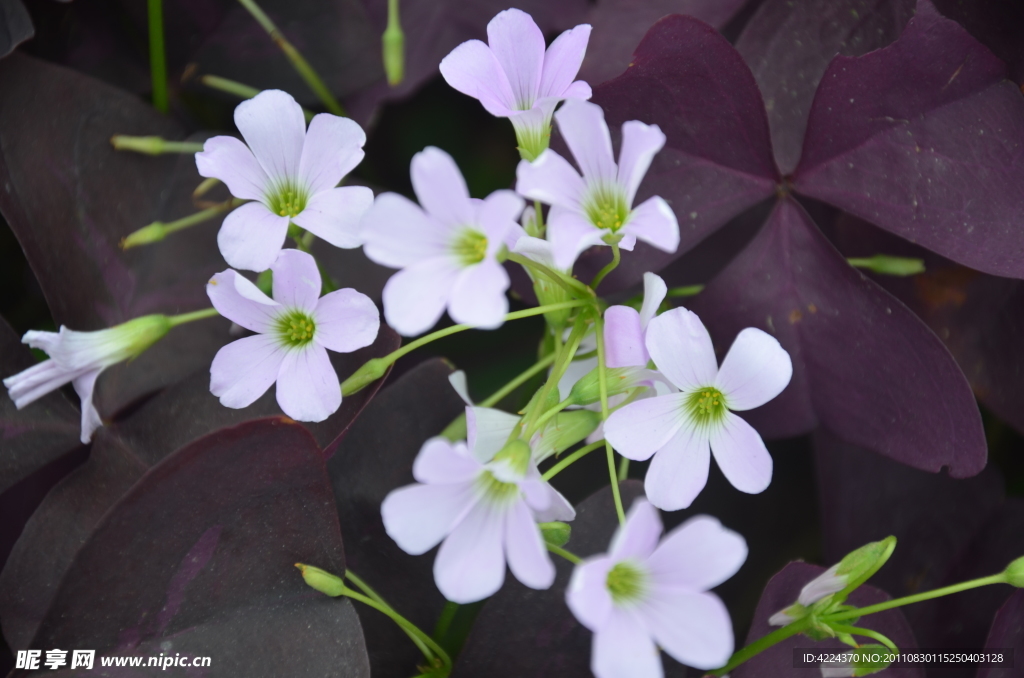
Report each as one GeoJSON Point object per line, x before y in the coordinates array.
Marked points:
{"type": "Point", "coordinates": [1015, 573]}
{"type": "Point", "coordinates": [516, 454]}
{"type": "Point", "coordinates": [555, 533]}
{"type": "Point", "coordinates": [393, 45]}
{"type": "Point", "coordinates": [321, 580]}
{"type": "Point", "coordinates": [371, 371]}
{"type": "Point", "coordinates": [618, 380]}
{"type": "Point", "coordinates": [886, 265]}
{"type": "Point", "coordinates": [563, 431]}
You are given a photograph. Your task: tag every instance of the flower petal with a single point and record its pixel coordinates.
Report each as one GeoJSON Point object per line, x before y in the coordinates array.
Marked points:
{"type": "Point", "coordinates": [570, 234]}
{"type": "Point", "coordinates": [755, 370]}
{"type": "Point", "coordinates": [473, 69]}
{"type": "Point", "coordinates": [654, 222]}
{"type": "Point", "coordinates": [398, 233]}
{"type": "Point", "coordinates": [654, 293]}
{"type": "Point", "coordinates": [308, 388]}
{"type": "Point", "coordinates": [487, 431]}
{"type": "Point", "coordinates": [640, 429]}
{"type": "Point", "coordinates": [578, 90]}
{"type": "Point", "coordinates": [624, 338]}
{"type": "Point", "coordinates": [241, 302]}
{"type": "Point", "coordinates": [336, 215]}
{"type": "Point", "coordinates": [231, 161]}
{"type": "Point", "coordinates": [441, 189]}
{"type": "Point", "coordinates": [576, 370]}
{"type": "Point", "coordinates": [527, 556]}
{"type": "Point", "coordinates": [251, 236]}
{"type": "Point", "coordinates": [32, 383]}
{"type": "Point", "coordinates": [470, 565]}
{"type": "Point", "coordinates": [415, 297]}
{"type": "Point", "coordinates": [640, 143]}
{"type": "Point", "coordinates": [741, 455]}
{"type": "Point", "coordinates": [698, 555]}
{"type": "Point", "coordinates": [274, 127]}
{"type": "Point", "coordinates": [332, 148]}
{"type": "Point", "coordinates": [587, 594]}
{"type": "Point", "coordinates": [418, 517]}
{"type": "Point", "coordinates": [84, 387]}
{"type": "Point", "coordinates": [824, 584]}
{"type": "Point", "coordinates": [559, 508]}
{"type": "Point", "coordinates": [562, 61]}
{"type": "Point", "coordinates": [639, 536]}
{"type": "Point", "coordinates": [478, 296]}
{"type": "Point", "coordinates": [551, 179]}
{"type": "Point", "coordinates": [346, 320]}
{"type": "Point", "coordinates": [536, 249]}
{"type": "Point", "coordinates": [623, 649]}
{"type": "Point", "coordinates": [498, 218]}
{"type": "Point", "coordinates": [518, 45]}
{"type": "Point", "coordinates": [458, 381]}
{"type": "Point", "coordinates": [296, 280]}
{"type": "Point", "coordinates": [243, 370]}
{"type": "Point", "coordinates": [681, 348]}
{"type": "Point", "coordinates": [442, 463]}
{"type": "Point", "coordinates": [679, 471]}
{"type": "Point", "coordinates": [585, 132]}
{"type": "Point", "coordinates": [694, 628]}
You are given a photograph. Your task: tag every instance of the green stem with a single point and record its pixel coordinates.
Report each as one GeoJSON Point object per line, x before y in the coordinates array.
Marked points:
{"type": "Point", "coordinates": [907, 600]}
{"type": "Point", "coordinates": [571, 285]}
{"type": "Point", "coordinates": [762, 644]}
{"type": "Point", "coordinates": [565, 355]}
{"type": "Point", "coordinates": [575, 456]}
{"type": "Point", "coordinates": [550, 413]}
{"type": "Point", "coordinates": [559, 551]}
{"type": "Point", "coordinates": [239, 90]}
{"type": "Point", "coordinates": [427, 645]}
{"type": "Point", "coordinates": [375, 596]}
{"type": "Point", "coordinates": [602, 381]}
{"type": "Point", "coordinates": [867, 633]}
{"type": "Point", "coordinates": [444, 622]}
{"type": "Point", "coordinates": [298, 61]}
{"type": "Point", "coordinates": [157, 59]}
{"type": "Point", "coordinates": [176, 320]}
{"type": "Point", "coordinates": [612, 265]}
{"type": "Point", "coordinates": [685, 291]}
{"type": "Point", "coordinates": [153, 145]}
{"type": "Point", "coordinates": [623, 469]}
{"type": "Point", "coordinates": [159, 230]}
{"type": "Point", "coordinates": [534, 369]}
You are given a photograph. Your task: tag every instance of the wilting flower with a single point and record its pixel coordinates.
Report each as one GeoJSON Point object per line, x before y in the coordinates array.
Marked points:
{"type": "Point", "coordinates": [683, 429]}
{"type": "Point", "coordinates": [290, 174]}
{"type": "Point", "coordinates": [514, 78]}
{"type": "Point", "coordinates": [597, 208]}
{"type": "Point", "coordinates": [447, 249]}
{"type": "Point", "coordinates": [643, 595]}
{"type": "Point", "coordinates": [484, 500]}
{"type": "Point", "coordinates": [79, 357]}
{"type": "Point", "coordinates": [295, 329]}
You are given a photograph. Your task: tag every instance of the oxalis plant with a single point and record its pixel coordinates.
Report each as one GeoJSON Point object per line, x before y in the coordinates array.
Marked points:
{"type": "Point", "coordinates": [814, 230]}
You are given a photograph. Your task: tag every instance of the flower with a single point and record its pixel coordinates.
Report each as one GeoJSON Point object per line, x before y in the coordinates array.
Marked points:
{"type": "Point", "coordinates": [295, 329]}
{"type": "Point", "coordinates": [597, 208]}
{"type": "Point", "coordinates": [643, 595]}
{"type": "Point", "coordinates": [447, 249]}
{"type": "Point", "coordinates": [290, 174]}
{"type": "Point", "coordinates": [513, 77]}
{"type": "Point", "coordinates": [682, 429]}
{"type": "Point", "coordinates": [484, 501]}
{"type": "Point", "coordinates": [625, 328]}
{"type": "Point", "coordinates": [79, 357]}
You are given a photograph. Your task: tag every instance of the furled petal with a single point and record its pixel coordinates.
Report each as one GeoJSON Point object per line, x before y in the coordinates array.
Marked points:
{"type": "Point", "coordinates": [440, 188]}
{"type": "Point", "coordinates": [755, 370]}
{"type": "Point", "coordinates": [550, 179]}
{"type": "Point", "coordinates": [527, 556]}
{"type": "Point", "coordinates": [333, 147]}
{"type": "Point", "coordinates": [679, 471]}
{"type": "Point", "coordinates": [275, 129]}
{"type": "Point", "coordinates": [470, 565]}
{"type": "Point", "coordinates": [33, 383]}
{"type": "Point", "coordinates": [585, 132]}
{"type": "Point", "coordinates": [308, 388]}
{"type": "Point", "coordinates": [654, 293]}
{"type": "Point", "coordinates": [536, 249]}
{"type": "Point", "coordinates": [498, 218]}
{"type": "Point", "coordinates": [346, 320]}
{"type": "Point", "coordinates": [231, 161]}
{"type": "Point", "coordinates": [694, 628]}
{"type": "Point", "coordinates": [637, 539]}
{"type": "Point", "coordinates": [336, 215]}
{"type": "Point", "coordinates": [681, 348]}
{"type": "Point", "coordinates": [535, 492]}
{"type": "Point", "coordinates": [487, 431]}
{"type": "Point", "coordinates": [587, 594]}
{"type": "Point", "coordinates": [570, 233]}
{"type": "Point", "coordinates": [84, 387]}
{"type": "Point", "coordinates": [698, 555]}
{"type": "Point", "coordinates": [472, 69]}
{"type": "Point", "coordinates": [415, 297]}
{"type": "Point", "coordinates": [623, 649]}
{"type": "Point", "coordinates": [559, 508]}
{"type": "Point", "coordinates": [624, 338]}
{"type": "Point", "coordinates": [296, 280]}
{"type": "Point", "coordinates": [241, 302]}
{"type": "Point", "coordinates": [398, 233]}
{"type": "Point", "coordinates": [418, 517]}
{"type": "Point", "coordinates": [640, 429]}
{"type": "Point", "coordinates": [741, 455]}
{"type": "Point", "coordinates": [442, 463]}
{"type": "Point", "coordinates": [518, 45]}
{"type": "Point", "coordinates": [654, 222]}
{"type": "Point", "coordinates": [824, 584]}
{"type": "Point", "coordinates": [478, 296]}
{"type": "Point", "coordinates": [243, 370]}
{"type": "Point", "coordinates": [562, 61]}
{"type": "Point", "coordinates": [640, 143]}
{"type": "Point", "coordinates": [251, 236]}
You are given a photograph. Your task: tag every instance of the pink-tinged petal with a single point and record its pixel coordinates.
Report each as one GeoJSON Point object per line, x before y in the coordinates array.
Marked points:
{"type": "Point", "coordinates": [415, 297]}
{"type": "Point", "coordinates": [251, 236]}
{"type": "Point", "coordinates": [824, 584]}
{"type": "Point", "coordinates": [243, 370]}
{"type": "Point", "coordinates": [346, 320]}
{"type": "Point", "coordinates": [296, 280]}
{"type": "Point", "coordinates": [536, 249]}
{"type": "Point", "coordinates": [698, 555]}
{"type": "Point", "coordinates": [534, 122]}
{"type": "Point", "coordinates": [654, 222]}
{"type": "Point", "coordinates": [741, 455]}
{"type": "Point", "coordinates": [640, 429]}
{"type": "Point", "coordinates": [470, 565]}
{"type": "Point", "coordinates": [654, 293]}
{"type": "Point", "coordinates": [624, 338]}
{"type": "Point", "coordinates": [585, 132]}
{"type": "Point", "coordinates": [570, 234]}
{"type": "Point", "coordinates": [587, 594]}
{"type": "Point", "coordinates": [332, 148]}
{"type": "Point", "coordinates": [578, 90]}
{"type": "Point", "coordinates": [755, 370]}
{"type": "Point", "coordinates": [241, 302]}
{"type": "Point", "coordinates": [472, 69]}
{"type": "Point", "coordinates": [562, 61]}
{"type": "Point", "coordinates": [498, 218]}
{"type": "Point", "coordinates": [527, 556]}
{"type": "Point", "coordinates": [231, 161]}
{"type": "Point", "coordinates": [535, 493]}
{"type": "Point", "coordinates": [441, 189]}
{"type": "Point", "coordinates": [638, 538]}
{"type": "Point", "coordinates": [559, 508]}
{"type": "Point", "coordinates": [640, 143]}
{"type": "Point", "coordinates": [693, 628]}
{"type": "Point", "coordinates": [624, 649]}
{"type": "Point", "coordinates": [679, 471]}
{"type": "Point", "coordinates": [398, 233]}
{"type": "Point", "coordinates": [33, 383]}
{"type": "Point", "coordinates": [550, 179]}
{"type": "Point", "coordinates": [681, 348]}
{"type": "Point", "coordinates": [442, 463]}
{"type": "Point", "coordinates": [487, 431]}
{"type": "Point", "coordinates": [478, 296]}
{"type": "Point", "coordinates": [518, 45]}
{"type": "Point", "coordinates": [84, 387]}
{"type": "Point", "coordinates": [336, 215]}
{"type": "Point", "coordinates": [418, 517]}
{"type": "Point", "coordinates": [273, 125]}
{"type": "Point", "coordinates": [308, 388]}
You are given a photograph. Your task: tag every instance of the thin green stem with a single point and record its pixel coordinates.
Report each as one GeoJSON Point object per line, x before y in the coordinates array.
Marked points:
{"type": "Point", "coordinates": [602, 381]}
{"type": "Point", "coordinates": [559, 551]}
{"type": "Point", "coordinates": [623, 469]}
{"type": "Point", "coordinates": [157, 58]}
{"type": "Point", "coordinates": [444, 622]}
{"type": "Point", "coordinates": [239, 90]}
{"type": "Point", "coordinates": [153, 145]}
{"type": "Point", "coordinates": [539, 219]}
{"type": "Point", "coordinates": [916, 598]}
{"type": "Point", "coordinates": [375, 596]}
{"type": "Point", "coordinates": [572, 285]}
{"type": "Point", "coordinates": [612, 265]}
{"type": "Point", "coordinates": [565, 355]}
{"type": "Point", "coordinates": [427, 645]}
{"type": "Point", "coordinates": [525, 376]}
{"type": "Point", "coordinates": [550, 413]}
{"type": "Point", "coordinates": [867, 633]}
{"type": "Point", "coordinates": [158, 230]}
{"type": "Point", "coordinates": [176, 320]}
{"type": "Point", "coordinates": [762, 644]}
{"type": "Point", "coordinates": [572, 458]}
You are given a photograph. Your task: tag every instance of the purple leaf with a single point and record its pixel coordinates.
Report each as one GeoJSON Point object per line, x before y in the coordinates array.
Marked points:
{"type": "Point", "coordinates": [924, 138]}
{"type": "Point", "coordinates": [1007, 632]}
{"type": "Point", "coordinates": [15, 25]}
{"type": "Point", "coordinates": [863, 365]}
{"type": "Point", "coordinates": [996, 24]}
{"type": "Point", "coordinates": [198, 558]}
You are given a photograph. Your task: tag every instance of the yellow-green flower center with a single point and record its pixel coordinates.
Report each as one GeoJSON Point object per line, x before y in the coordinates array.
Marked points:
{"type": "Point", "coordinates": [626, 582]}
{"type": "Point", "coordinates": [288, 200]}
{"type": "Point", "coordinates": [296, 328]}
{"type": "Point", "coordinates": [470, 247]}
{"type": "Point", "coordinates": [607, 209]}
{"type": "Point", "coordinates": [706, 406]}
{"type": "Point", "coordinates": [496, 491]}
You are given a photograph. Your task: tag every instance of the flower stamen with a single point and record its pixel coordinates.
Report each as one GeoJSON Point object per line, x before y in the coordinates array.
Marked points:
{"type": "Point", "coordinates": [296, 328]}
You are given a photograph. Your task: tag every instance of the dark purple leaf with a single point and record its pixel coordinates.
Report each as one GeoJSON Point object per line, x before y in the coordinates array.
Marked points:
{"type": "Point", "coordinates": [198, 558]}
{"type": "Point", "coordinates": [15, 25]}
{"type": "Point", "coordinates": [1007, 632]}
{"type": "Point", "coordinates": [782, 591]}
{"type": "Point", "coordinates": [999, 25]}
{"type": "Point", "coordinates": [788, 46]}
{"type": "Point", "coordinates": [863, 365]}
{"type": "Point", "coordinates": [923, 138]}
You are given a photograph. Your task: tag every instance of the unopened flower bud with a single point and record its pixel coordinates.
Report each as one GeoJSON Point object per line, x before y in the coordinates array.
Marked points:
{"type": "Point", "coordinates": [886, 265]}
{"type": "Point", "coordinates": [1015, 573]}
{"type": "Point", "coordinates": [371, 371]}
{"type": "Point", "coordinates": [515, 456]}
{"type": "Point", "coordinates": [393, 44]}
{"type": "Point", "coordinates": [563, 431]}
{"type": "Point", "coordinates": [555, 533]}
{"type": "Point", "coordinates": [618, 380]}
{"type": "Point", "coordinates": [154, 232]}
{"type": "Point", "coordinates": [321, 580]}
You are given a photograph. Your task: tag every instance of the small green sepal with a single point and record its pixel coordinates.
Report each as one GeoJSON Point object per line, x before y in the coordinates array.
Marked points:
{"type": "Point", "coordinates": [556, 533]}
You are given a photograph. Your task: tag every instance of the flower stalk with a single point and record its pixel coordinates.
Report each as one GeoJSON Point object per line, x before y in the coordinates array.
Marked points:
{"type": "Point", "coordinates": [153, 145]}
{"type": "Point", "coordinates": [157, 58]}
{"type": "Point", "coordinates": [158, 230]}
